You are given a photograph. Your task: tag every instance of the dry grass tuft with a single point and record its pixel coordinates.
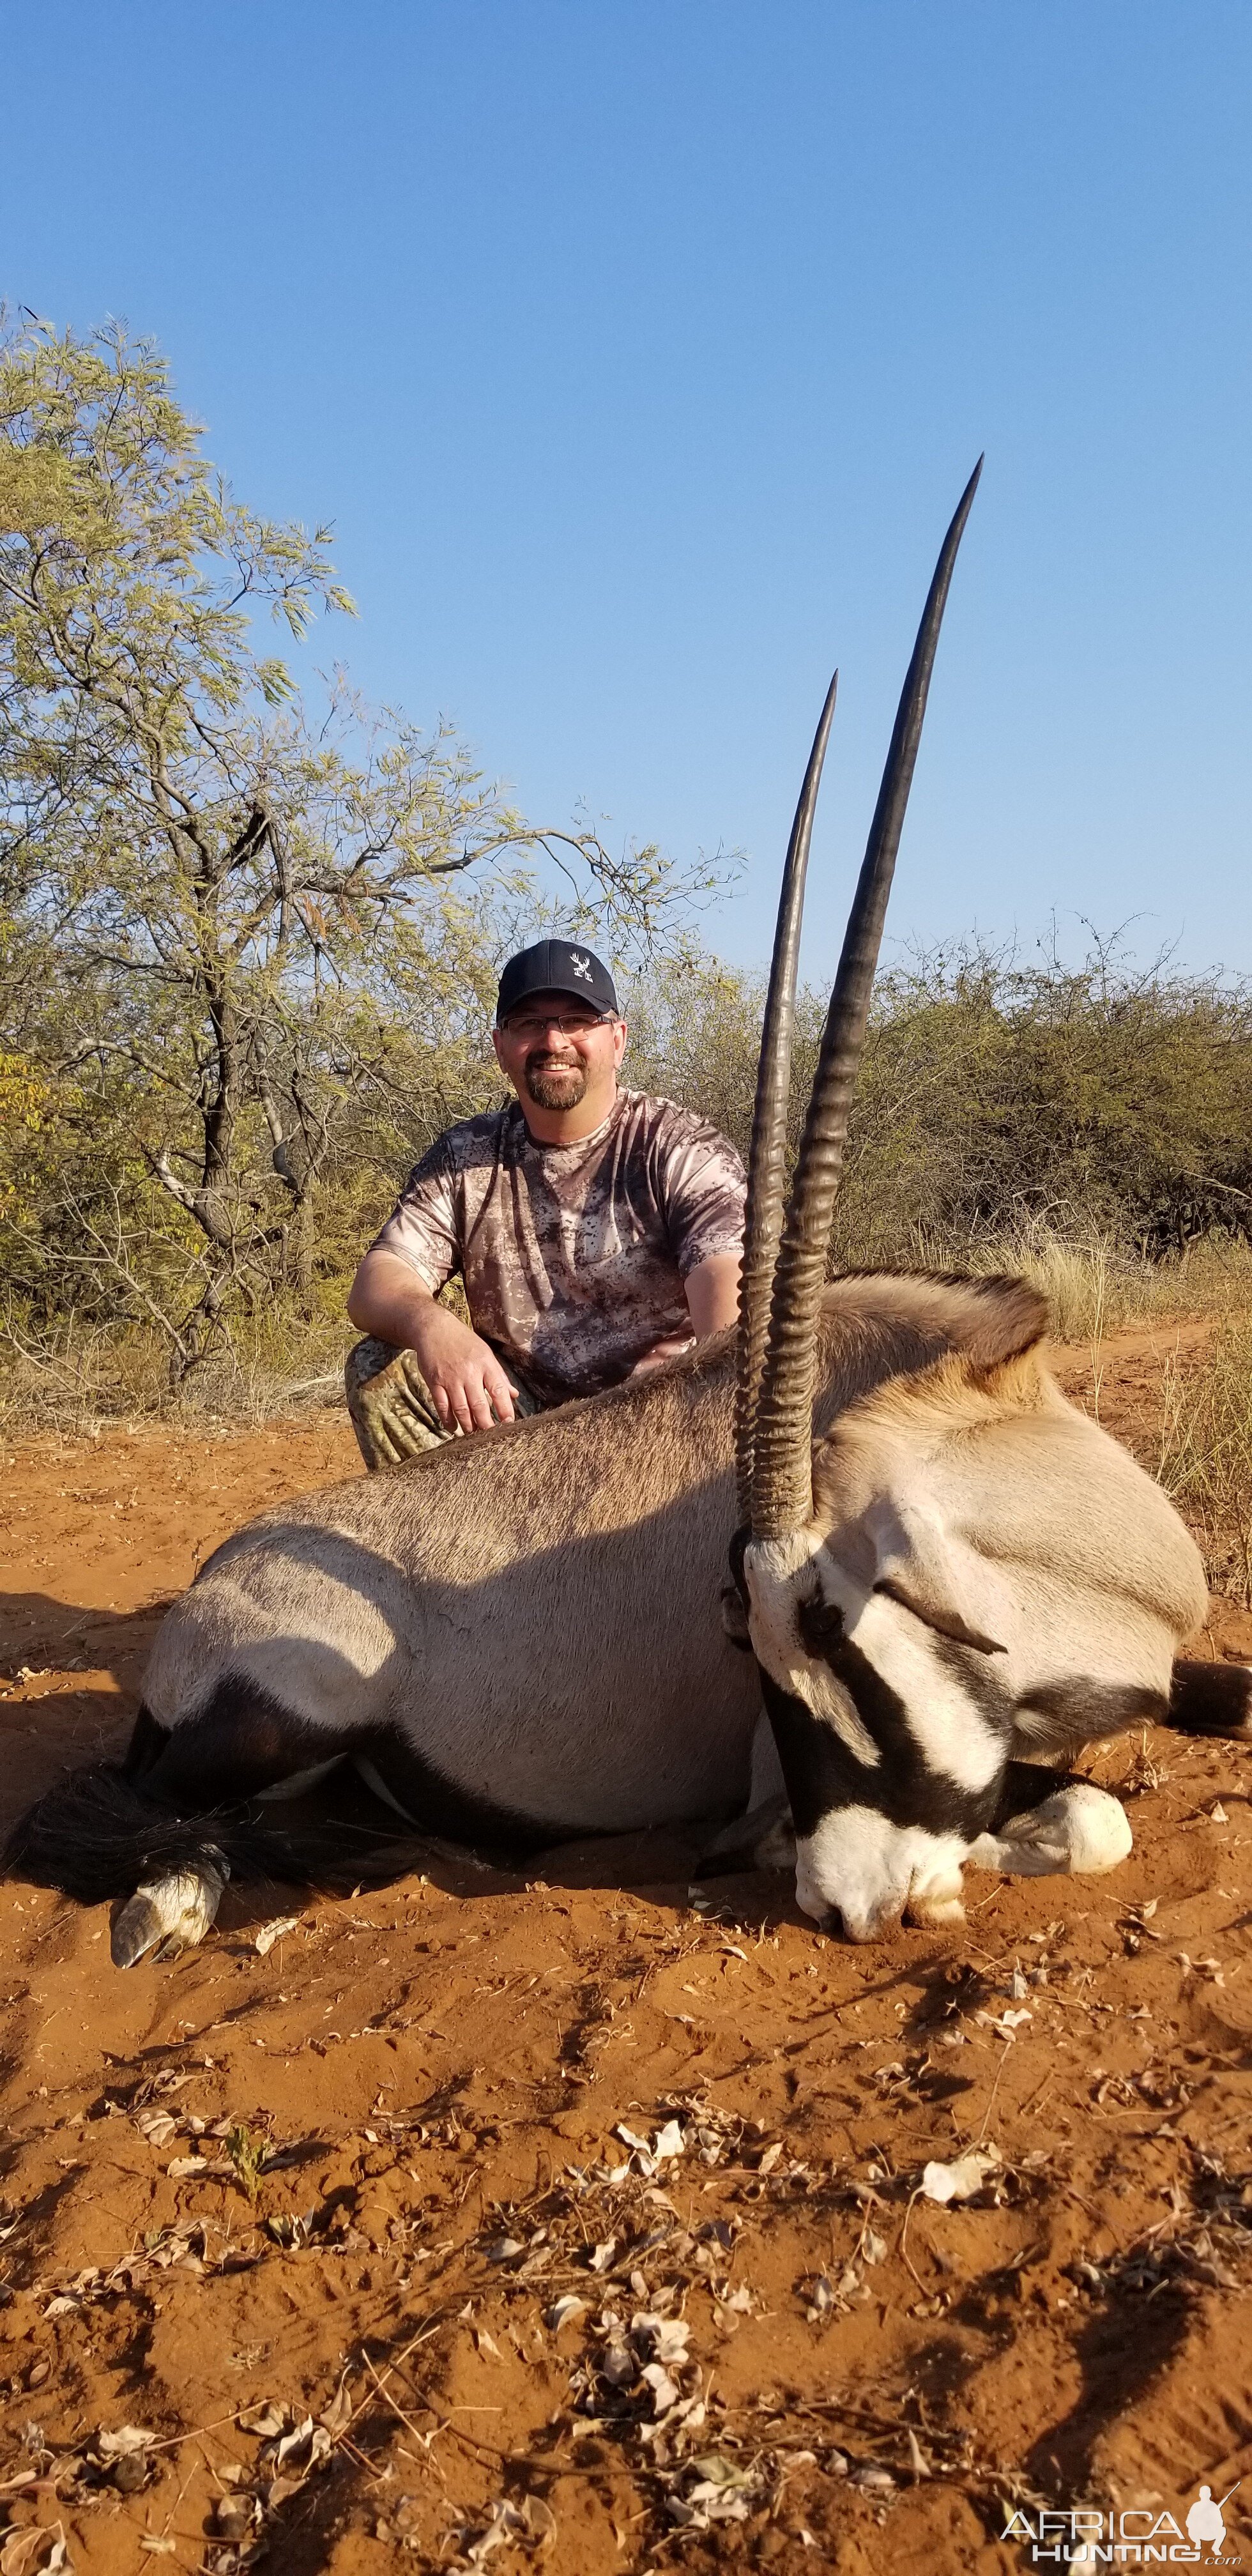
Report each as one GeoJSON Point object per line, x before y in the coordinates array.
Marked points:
{"type": "Point", "coordinates": [1095, 1285]}
{"type": "Point", "coordinates": [1090, 1287]}
{"type": "Point", "coordinates": [1205, 1460]}
{"type": "Point", "coordinates": [274, 1362]}
{"type": "Point", "coordinates": [1092, 1284]}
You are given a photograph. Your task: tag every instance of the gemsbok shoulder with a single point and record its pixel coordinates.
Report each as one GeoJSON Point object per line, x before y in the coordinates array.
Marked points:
{"type": "Point", "coordinates": [950, 1580]}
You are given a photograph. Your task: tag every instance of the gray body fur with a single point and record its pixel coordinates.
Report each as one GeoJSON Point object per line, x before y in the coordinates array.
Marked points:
{"type": "Point", "coordinates": [538, 1610]}
{"type": "Point", "coordinates": [537, 1622]}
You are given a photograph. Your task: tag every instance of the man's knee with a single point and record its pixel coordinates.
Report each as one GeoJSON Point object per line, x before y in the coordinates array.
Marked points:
{"type": "Point", "coordinates": [390, 1405]}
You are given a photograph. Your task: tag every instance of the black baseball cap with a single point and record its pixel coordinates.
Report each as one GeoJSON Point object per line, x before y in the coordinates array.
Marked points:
{"type": "Point", "coordinates": [556, 966]}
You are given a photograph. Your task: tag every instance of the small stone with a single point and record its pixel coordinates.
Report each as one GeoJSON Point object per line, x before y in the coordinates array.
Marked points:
{"type": "Point", "coordinates": [560, 2313]}
{"type": "Point", "coordinates": [233, 2517]}
{"type": "Point", "coordinates": [130, 2472]}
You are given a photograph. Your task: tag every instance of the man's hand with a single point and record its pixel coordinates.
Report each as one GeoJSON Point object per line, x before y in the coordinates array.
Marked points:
{"type": "Point", "coordinates": [468, 1386]}
{"type": "Point", "coordinates": [667, 1350]}
{"type": "Point", "coordinates": [713, 1303]}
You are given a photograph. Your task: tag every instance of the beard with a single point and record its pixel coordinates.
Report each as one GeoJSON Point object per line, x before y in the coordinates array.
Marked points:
{"type": "Point", "coordinates": [552, 1084]}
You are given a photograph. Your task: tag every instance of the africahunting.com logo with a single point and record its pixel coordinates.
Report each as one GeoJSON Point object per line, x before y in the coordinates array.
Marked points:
{"type": "Point", "coordinates": [1129, 2536]}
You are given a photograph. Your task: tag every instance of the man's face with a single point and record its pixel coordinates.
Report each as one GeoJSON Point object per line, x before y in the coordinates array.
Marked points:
{"type": "Point", "coordinates": [554, 1050]}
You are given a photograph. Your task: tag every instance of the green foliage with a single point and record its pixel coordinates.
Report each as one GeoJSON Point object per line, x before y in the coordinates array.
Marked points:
{"type": "Point", "coordinates": [239, 933]}
{"type": "Point", "coordinates": [1090, 1104]}
{"type": "Point", "coordinates": [249, 938]}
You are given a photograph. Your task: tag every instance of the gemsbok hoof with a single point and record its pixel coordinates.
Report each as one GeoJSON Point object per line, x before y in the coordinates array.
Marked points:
{"type": "Point", "coordinates": [1080, 1830]}
{"type": "Point", "coordinates": [167, 1915]}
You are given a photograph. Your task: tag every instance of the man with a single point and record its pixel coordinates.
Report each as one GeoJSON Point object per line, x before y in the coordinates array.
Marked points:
{"type": "Point", "coordinates": [596, 1231]}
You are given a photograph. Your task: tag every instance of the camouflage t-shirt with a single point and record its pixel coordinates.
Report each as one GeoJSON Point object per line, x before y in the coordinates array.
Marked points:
{"type": "Point", "coordinates": [572, 1257]}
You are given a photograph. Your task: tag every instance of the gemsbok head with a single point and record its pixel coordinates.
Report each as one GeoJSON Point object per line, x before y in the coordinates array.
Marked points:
{"type": "Point", "coordinates": [962, 1571]}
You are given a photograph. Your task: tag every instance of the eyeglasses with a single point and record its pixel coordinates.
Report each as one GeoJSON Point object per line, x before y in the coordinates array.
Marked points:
{"type": "Point", "coordinates": [571, 1024]}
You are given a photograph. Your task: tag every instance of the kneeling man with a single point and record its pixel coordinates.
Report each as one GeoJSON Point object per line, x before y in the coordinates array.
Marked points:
{"type": "Point", "coordinates": [596, 1231]}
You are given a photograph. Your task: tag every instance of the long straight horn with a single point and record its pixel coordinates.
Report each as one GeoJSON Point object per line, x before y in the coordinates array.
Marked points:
{"type": "Point", "coordinates": [763, 1223]}
{"type": "Point", "coordinates": [782, 1493]}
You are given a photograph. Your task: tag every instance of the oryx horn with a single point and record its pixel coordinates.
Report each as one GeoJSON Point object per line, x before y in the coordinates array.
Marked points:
{"type": "Point", "coordinates": [763, 1223]}
{"type": "Point", "coordinates": [782, 1494]}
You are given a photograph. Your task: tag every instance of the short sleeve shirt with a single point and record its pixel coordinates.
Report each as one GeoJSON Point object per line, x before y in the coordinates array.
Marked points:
{"type": "Point", "coordinates": [572, 1257]}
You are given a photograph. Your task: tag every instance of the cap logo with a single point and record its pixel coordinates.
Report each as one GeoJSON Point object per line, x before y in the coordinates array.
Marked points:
{"type": "Point", "coordinates": [581, 965]}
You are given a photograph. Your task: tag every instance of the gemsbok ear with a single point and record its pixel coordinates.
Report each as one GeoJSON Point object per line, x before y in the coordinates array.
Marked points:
{"type": "Point", "coordinates": [915, 1565]}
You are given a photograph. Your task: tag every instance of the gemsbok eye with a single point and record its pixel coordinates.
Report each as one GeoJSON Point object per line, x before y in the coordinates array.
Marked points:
{"type": "Point", "coordinates": [821, 1625]}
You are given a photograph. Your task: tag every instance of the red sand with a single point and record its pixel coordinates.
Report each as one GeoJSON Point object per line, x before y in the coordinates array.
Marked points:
{"type": "Point", "coordinates": [846, 2375]}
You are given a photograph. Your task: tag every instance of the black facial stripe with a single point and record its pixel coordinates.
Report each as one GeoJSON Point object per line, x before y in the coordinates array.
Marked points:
{"type": "Point", "coordinates": [979, 1679]}
{"type": "Point", "coordinates": [822, 1773]}
{"type": "Point", "coordinates": [820, 1625]}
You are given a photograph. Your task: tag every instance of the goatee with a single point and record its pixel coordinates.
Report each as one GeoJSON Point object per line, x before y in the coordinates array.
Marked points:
{"type": "Point", "coordinates": [554, 1085]}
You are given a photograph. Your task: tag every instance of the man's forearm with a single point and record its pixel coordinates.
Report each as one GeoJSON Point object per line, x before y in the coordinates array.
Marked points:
{"type": "Point", "coordinates": [388, 1300]}
{"type": "Point", "coordinates": [713, 1294]}
{"type": "Point", "coordinates": [462, 1372]}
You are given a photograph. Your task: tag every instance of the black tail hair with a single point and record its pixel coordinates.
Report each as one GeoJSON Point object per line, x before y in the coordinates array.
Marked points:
{"type": "Point", "coordinates": [1211, 1699]}
{"type": "Point", "coordinates": [96, 1836]}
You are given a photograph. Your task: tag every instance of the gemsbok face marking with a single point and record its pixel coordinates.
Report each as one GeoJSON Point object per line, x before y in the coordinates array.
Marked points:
{"type": "Point", "coordinates": [948, 1579]}
{"type": "Point", "coordinates": [893, 1737]}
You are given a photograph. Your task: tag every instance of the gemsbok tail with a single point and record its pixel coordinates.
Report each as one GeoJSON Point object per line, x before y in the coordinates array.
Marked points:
{"type": "Point", "coordinates": [95, 1835]}
{"type": "Point", "coordinates": [1211, 1699]}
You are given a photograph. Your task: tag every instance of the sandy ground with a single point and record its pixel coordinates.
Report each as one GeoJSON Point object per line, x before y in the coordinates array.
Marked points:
{"type": "Point", "coordinates": [339, 2249]}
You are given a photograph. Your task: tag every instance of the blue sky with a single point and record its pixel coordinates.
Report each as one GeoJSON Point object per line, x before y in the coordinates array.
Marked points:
{"type": "Point", "coordinates": [638, 350]}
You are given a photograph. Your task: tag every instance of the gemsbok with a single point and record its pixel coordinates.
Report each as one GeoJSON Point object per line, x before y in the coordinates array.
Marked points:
{"type": "Point", "coordinates": [950, 1579]}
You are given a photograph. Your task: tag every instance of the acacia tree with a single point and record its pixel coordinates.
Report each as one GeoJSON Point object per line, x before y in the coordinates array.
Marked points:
{"type": "Point", "coordinates": [221, 903]}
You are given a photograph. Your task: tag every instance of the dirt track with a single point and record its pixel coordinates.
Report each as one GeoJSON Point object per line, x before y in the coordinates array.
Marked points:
{"type": "Point", "coordinates": [438, 2077]}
